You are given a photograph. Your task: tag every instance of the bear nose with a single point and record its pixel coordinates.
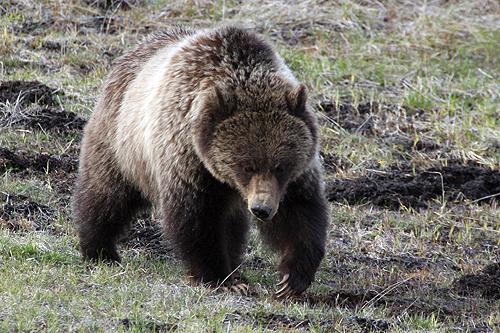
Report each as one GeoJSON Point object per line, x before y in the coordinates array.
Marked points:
{"type": "Point", "coordinates": [260, 211]}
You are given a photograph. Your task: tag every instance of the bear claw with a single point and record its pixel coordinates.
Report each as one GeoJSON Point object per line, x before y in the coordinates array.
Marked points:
{"type": "Point", "coordinates": [284, 291]}
{"type": "Point", "coordinates": [238, 288]}
{"type": "Point", "coordinates": [285, 279]}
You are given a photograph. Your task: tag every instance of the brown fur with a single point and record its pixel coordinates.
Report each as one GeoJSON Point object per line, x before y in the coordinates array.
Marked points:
{"type": "Point", "coordinates": [204, 124]}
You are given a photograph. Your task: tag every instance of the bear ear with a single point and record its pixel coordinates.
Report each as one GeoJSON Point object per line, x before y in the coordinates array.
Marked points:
{"type": "Point", "coordinates": [297, 99]}
{"type": "Point", "coordinates": [217, 104]}
{"type": "Point", "coordinates": [211, 107]}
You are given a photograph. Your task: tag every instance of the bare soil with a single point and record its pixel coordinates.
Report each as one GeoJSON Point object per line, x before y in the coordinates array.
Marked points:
{"type": "Point", "coordinates": [268, 321]}
{"type": "Point", "coordinates": [391, 123]}
{"type": "Point", "coordinates": [485, 283]}
{"type": "Point", "coordinates": [150, 326]}
{"type": "Point", "coordinates": [84, 25]}
{"type": "Point", "coordinates": [112, 4]}
{"type": "Point", "coordinates": [45, 118]}
{"type": "Point", "coordinates": [372, 325]}
{"type": "Point", "coordinates": [362, 118]}
{"type": "Point", "coordinates": [33, 107]}
{"type": "Point", "coordinates": [402, 186]}
{"type": "Point", "coordinates": [20, 161]}
{"type": "Point", "coordinates": [16, 210]}
{"type": "Point", "coordinates": [147, 235]}
{"type": "Point", "coordinates": [27, 92]}
{"type": "Point", "coordinates": [441, 302]}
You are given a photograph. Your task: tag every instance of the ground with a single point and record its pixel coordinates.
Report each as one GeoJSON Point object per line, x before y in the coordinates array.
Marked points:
{"type": "Point", "coordinates": [407, 95]}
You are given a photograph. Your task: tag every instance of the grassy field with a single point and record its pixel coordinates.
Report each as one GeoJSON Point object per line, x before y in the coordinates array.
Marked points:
{"type": "Point", "coordinates": [408, 96]}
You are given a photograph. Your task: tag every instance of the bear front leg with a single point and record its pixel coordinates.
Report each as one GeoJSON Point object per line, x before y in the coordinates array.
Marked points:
{"type": "Point", "coordinates": [298, 232]}
{"type": "Point", "coordinates": [236, 228]}
{"type": "Point", "coordinates": [194, 220]}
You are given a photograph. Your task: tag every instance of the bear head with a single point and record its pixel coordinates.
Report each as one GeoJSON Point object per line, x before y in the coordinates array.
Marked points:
{"type": "Point", "coordinates": [258, 152]}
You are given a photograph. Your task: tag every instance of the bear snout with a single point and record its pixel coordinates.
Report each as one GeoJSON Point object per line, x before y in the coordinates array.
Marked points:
{"type": "Point", "coordinates": [263, 196]}
{"type": "Point", "coordinates": [261, 211]}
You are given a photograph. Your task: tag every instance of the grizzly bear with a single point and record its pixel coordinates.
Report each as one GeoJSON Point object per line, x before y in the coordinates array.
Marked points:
{"type": "Point", "coordinates": [211, 128]}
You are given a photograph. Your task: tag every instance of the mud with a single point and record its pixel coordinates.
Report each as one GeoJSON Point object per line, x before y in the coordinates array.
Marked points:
{"type": "Point", "coordinates": [485, 284]}
{"type": "Point", "coordinates": [42, 118]}
{"type": "Point", "coordinates": [24, 93]}
{"type": "Point", "coordinates": [362, 118]}
{"type": "Point", "coordinates": [15, 208]}
{"type": "Point", "coordinates": [19, 161]}
{"type": "Point", "coordinates": [396, 187]}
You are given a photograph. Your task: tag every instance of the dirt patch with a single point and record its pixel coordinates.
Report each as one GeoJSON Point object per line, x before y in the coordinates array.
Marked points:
{"type": "Point", "coordinates": [396, 187]}
{"type": "Point", "coordinates": [38, 117]}
{"type": "Point", "coordinates": [486, 283]}
{"type": "Point", "coordinates": [371, 325]}
{"type": "Point", "coordinates": [100, 24]}
{"type": "Point", "coordinates": [255, 262]}
{"type": "Point", "coordinates": [348, 299]}
{"type": "Point", "coordinates": [395, 124]}
{"type": "Point", "coordinates": [61, 169]}
{"type": "Point", "coordinates": [357, 119]}
{"type": "Point", "coordinates": [32, 27]}
{"type": "Point", "coordinates": [10, 5]}
{"type": "Point", "coordinates": [417, 299]}
{"type": "Point", "coordinates": [147, 235]}
{"type": "Point", "coordinates": [24, 93]}
{"type": "Point", "coordinates": [294, 34]}
{"type": "Point", "coordinates": [18, 210]}
{"type": "Point", "coordinates": [83, 25]}
{"type": "Point", "coordinates": [407, 263]}
{"type": "Point", "coordinates": [52, 45]}
{"type": "Point", "coordinates": [394, 303]}
{"type": "Point", "coordinates": [39, 162]}
{"type": "Point", "coordinates": [113, 4]}
{"type": "Point", "coordinates": [268, 321]}
{"type": "Point", "coordinates": [149, 326]}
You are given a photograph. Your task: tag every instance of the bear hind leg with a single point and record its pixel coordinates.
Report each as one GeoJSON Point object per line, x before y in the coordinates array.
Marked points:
{"type": "Point", "coordinates": [103, 206]}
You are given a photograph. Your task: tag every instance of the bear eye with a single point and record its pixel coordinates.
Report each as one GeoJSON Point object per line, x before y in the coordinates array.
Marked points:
{"type": "Point", "coordinates": [279, 168]}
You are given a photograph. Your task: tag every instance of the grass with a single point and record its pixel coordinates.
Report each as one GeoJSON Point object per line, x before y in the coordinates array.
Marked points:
{"type": "Point", "coordinates": [425, 71]}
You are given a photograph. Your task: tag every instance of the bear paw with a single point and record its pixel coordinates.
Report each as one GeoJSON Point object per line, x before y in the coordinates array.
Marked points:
{"type": "Point", "coordinates": [291, 286]}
